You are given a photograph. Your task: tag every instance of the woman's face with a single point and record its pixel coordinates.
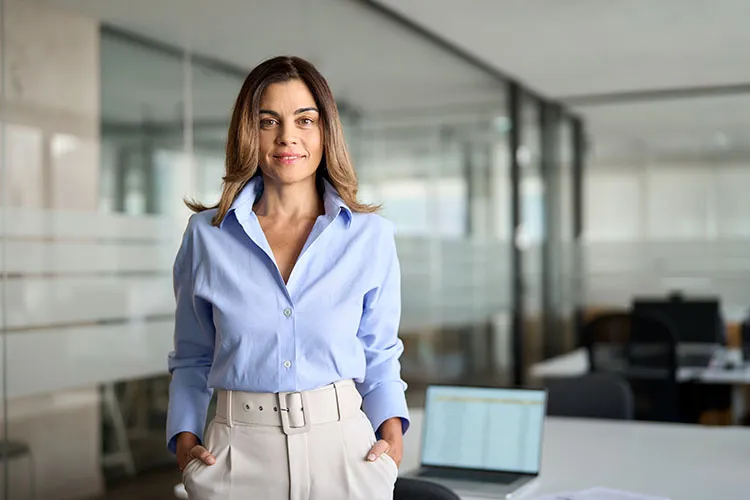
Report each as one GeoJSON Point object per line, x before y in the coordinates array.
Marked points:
{"type": "Point", "coordinates": [291, 133]}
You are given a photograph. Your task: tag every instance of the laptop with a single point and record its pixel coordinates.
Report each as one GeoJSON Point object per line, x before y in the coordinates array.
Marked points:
{"type": "Point", "coordinates": [482, 442]}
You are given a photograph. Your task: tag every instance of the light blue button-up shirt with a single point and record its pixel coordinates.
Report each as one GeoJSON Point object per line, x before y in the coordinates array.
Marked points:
{"type": "Point", "coordinates": [238, 326]}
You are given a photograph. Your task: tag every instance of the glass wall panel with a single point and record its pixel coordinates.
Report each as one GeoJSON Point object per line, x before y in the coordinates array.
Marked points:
{"type": "Point", "coordinates": [566, 245]}
{"type": "Point", "coordinates": [559, 248]}
{"type": "Point", "coordinates": [442, 179]}
{"type": "Point", "coordinates": [532, 232]}
{"type": "Point", "coordinates": [67, 300]}
{"type": "Point", "coordinates": [4, 194]}
{"type": "Point", "coordinates": [214, 92]}
{"type": "Point", "coordinates": [548, 260]}
{"type": "Point", "coordinates": [111, 115]}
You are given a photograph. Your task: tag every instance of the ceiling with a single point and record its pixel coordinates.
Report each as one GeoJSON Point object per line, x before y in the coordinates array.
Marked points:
{"type": "Point", "coordinates": [576, 48]}
{"type": "Point", "coordinates": [708, 128]}
{"type": "Point", "coordinates": [581, 47]}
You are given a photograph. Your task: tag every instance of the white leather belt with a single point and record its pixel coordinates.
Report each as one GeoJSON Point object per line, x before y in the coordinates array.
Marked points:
{"type": "Point", "coordinates": [294, 412]}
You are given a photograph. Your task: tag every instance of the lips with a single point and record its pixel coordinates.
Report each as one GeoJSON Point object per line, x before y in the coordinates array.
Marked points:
{"type": "Point", "coordinates": [288, 158]}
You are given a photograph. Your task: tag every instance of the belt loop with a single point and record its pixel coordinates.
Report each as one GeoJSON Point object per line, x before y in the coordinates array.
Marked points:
{"type": "Point", "coordinates": [338, 404]}
{"type": "Point", "coordinates": [229, 408]}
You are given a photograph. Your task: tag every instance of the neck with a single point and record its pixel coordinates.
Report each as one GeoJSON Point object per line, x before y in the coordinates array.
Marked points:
{"type": "Point", "coordinates": [289, 201]}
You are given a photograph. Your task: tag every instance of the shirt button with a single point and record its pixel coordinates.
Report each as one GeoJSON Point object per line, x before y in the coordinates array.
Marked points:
{"type": "Point", "coordinates": [287, 363]}
{"type": "Point", "coordinates": [287, 312]}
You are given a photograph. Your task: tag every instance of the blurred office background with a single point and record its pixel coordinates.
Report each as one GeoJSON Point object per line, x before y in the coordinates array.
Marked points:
{"type": "Point", "coordinates": [541, 160]}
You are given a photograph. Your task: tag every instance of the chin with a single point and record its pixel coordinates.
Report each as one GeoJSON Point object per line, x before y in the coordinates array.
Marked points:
{"type": "Point", "coordinates": [293, 176]}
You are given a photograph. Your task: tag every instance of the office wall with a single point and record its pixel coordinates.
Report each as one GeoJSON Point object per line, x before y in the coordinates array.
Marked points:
{"type": "Point", "coordinates": [50, 164]}
{"type": "Point", "coordinates": [674, 218]}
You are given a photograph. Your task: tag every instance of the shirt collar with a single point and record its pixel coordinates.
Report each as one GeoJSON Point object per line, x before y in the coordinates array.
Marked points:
{"type": "Point", "coordinates": [332, 202]}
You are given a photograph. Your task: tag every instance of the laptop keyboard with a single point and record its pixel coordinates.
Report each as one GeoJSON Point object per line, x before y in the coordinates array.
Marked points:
{"type": "Point", "coordinates": [470, 475]}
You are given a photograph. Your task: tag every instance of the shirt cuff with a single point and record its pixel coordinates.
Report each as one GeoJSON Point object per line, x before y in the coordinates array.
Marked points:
{"type": "Point", "coordinates": [384, 402]}
{"type": "Point", "coordinates": [187, 413]}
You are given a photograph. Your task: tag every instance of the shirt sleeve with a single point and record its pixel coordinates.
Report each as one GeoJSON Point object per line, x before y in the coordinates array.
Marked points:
{"type": "Point", "coordinates": [383, 390]}
{"type": "Point", "coordinates": [190, 361]}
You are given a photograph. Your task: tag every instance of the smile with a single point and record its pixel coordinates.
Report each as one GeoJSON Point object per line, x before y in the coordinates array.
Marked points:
{"type": "Point", "coordinates": [288, 159]}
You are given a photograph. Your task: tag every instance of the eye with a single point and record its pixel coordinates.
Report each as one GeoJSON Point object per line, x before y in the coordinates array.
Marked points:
{"type": "Point", "coordinates": [267, 122]}
{"type": "Point", "coordinates": [305, 122]}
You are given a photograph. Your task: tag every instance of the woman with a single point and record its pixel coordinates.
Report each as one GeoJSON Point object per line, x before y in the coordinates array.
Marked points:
{"type": "Point", "coordinates": [288, 305]}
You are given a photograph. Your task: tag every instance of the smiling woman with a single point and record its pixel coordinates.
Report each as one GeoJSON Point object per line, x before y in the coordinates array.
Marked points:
{"type": "Point", "coordinates": [290, 79]}
{"type": "Point", "coordinates": [288, 305]}
{"type": "Point", "coordinates": [291, 139]}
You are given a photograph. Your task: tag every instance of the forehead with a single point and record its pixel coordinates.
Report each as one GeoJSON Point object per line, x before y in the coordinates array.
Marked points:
{"type": "Point", "coordinates": [285, 96]}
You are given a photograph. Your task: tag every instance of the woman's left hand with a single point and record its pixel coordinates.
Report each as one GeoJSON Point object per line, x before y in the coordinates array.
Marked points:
{"type": "Point", "coordinates": [392, 442]}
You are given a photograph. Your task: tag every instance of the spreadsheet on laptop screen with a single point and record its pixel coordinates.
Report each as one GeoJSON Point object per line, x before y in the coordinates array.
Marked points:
{"type": "Point", "coordinates": [484, 428]}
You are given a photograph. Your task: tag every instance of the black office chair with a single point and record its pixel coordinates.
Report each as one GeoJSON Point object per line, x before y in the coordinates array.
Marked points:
{"type": "Point", "coordinates": [408, 488]}
{"type": "Point", "coordinates": [641, 348]}
{"type": "Point", "coordinates": [594, 395]}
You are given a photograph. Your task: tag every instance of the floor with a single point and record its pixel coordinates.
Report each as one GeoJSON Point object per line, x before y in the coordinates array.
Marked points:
{"type": "Point", "coordinates": [156, 484]}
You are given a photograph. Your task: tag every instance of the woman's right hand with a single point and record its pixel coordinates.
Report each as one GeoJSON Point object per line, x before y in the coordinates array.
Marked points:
{"type": "Point", "coordinates": [188, 449]}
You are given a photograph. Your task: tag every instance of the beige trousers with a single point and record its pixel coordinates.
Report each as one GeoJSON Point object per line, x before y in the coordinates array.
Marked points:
{"type": "Point", "coordinates": [296, 446]}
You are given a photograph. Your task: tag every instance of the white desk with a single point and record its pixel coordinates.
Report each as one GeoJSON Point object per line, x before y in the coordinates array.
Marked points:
{"type": "Point", "coordinates": [680, 462]}
{"type": "Point", "coordinates": [576, 363]}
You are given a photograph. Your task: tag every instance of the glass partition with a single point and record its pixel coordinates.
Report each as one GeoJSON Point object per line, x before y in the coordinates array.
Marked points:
{"type": "Point", "coordinates": [532, 232]}
{"type": "Point", "coordinates": [65, 298]}
{"type": "Point", "coordinates": [443, 179]}
{"type": "Point", "coordinates": [110, 115]}
{"type": "Point", "coordinates": [4, 193]}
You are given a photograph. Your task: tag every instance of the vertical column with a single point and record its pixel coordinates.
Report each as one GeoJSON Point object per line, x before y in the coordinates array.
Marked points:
{"type": "Point", "coordinates": [472, 189]}
{"type": "Point", "coordinates": [549, 118]}
{"type": "Point", "coordinates": [4, 192]}
{"type": "Point", "coordinates": [191, 175]}
{"type": "Point", "coordinates": [578, 269]}
{"type": "Point", "coordinates": [148, 175]}
{"type": "Point", "coordinates": [514, 111]}
{"type": "Point", "coordinates": [122, 163]}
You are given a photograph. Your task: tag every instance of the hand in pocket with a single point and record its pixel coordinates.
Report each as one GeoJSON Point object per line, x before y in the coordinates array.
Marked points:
{"type": "Point", "coordinates": [188, 450]}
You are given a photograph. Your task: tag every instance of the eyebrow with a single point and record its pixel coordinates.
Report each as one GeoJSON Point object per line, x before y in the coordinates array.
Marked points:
{"type": "Point", "coordinates": [299, 111]}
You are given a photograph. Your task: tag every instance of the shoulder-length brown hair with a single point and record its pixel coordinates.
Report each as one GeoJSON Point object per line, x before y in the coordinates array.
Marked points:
{"type": "Point", "coordinates": [243, 138]}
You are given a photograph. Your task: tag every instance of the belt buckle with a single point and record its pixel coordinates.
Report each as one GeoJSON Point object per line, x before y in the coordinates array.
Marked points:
{"type": "Point", "coordinates": [284, 410]}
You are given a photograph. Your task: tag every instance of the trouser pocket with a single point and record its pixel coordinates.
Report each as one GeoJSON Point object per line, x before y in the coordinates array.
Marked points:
{"type": "Point", "coordinates": [209, 482]}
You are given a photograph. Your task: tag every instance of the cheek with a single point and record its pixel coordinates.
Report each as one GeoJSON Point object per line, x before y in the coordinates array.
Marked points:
{"type": "Point", "coordinates": [315, 143]}
{"type": "Point", "coordinates": [265, 144]}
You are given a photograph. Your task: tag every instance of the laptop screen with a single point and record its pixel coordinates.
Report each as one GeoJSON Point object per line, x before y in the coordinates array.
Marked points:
{"type": "Point", "coordinates": [484, 428]}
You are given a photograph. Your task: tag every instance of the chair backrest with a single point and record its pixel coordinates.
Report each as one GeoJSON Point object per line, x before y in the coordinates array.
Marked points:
{"type": "Point", "coordinates": [641, 348]}
{"type": "Point", "coordinates": [594, 395]}
{"type": "Point", "coordinates": [635, 345]}
{"type": "Point", "coordinates": [416, 489]}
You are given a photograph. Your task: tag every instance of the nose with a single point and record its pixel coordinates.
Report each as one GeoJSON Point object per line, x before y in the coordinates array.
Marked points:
{"type": "Point", "coordinates": [287, 135]}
